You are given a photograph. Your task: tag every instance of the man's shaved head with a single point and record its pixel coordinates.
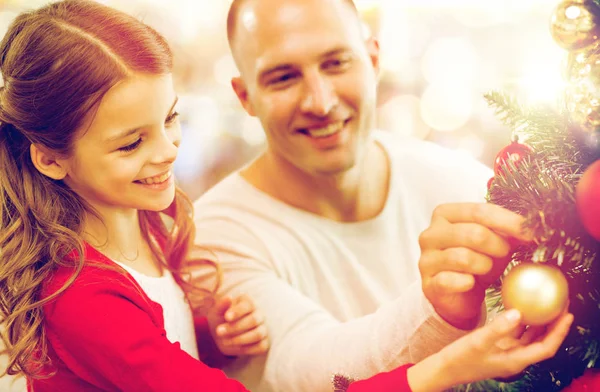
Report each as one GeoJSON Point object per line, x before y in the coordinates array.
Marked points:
{"type": "Point", "coordinates": [306, 66]}
{"type": "Point", "coordinates": [234, 15]}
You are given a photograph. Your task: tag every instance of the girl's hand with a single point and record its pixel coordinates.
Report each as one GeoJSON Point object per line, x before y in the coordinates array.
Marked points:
{"type": "Point", "coordinates": [238, 327]}
{"type": "Point", "coordinates": [498, 349]}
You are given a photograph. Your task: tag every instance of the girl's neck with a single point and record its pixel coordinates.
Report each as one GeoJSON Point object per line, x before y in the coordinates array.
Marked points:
{"type": "Point", "coordinates": [119, 237]}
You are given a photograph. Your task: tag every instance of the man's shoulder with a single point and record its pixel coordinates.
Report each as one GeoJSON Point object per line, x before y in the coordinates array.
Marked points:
{"type": "Point", "coordinates": [415, 153]}
{"type": "Point", "coordinates": [407, 145]}
{"type": "Point", "coordinates": [236, 205]}
{"type": "Point", "coordinates": [435, 172]}
{"type": "Point", "coordinates": [223, 190]}
{"type": "Point", "coordinates": [231, 194]}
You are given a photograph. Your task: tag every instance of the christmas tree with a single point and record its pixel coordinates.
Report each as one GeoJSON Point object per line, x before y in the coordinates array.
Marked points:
{"type": "Point", "coordinates": [550, 173]}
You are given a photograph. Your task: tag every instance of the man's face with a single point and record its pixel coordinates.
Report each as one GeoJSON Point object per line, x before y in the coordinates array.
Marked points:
{"type": "Point", "coordinates": [310, 77]}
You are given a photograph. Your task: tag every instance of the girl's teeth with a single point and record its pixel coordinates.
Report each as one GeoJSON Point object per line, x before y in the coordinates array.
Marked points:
{"type": "Point", "coordinates": [156, 180]}
{"type": "Point", "coordinates": [326, 131]}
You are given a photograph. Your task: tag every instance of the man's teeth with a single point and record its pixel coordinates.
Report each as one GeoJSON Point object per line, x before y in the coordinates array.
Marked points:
{"type": "Point", "coordinates": [156, 180]}
{"type": "Point", "coordinates": [326, 131]}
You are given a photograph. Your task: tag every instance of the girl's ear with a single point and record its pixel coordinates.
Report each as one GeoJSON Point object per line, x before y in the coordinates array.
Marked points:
{"type": "Point", "coordinates": [47, 163]}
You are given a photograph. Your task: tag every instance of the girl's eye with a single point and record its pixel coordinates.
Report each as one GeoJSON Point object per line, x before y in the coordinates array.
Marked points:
{"type": "Point", "coordinates": [131, 146]}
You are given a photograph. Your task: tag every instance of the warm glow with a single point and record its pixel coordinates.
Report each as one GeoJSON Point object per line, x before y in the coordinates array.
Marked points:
{"type": "Point", "coordinates": [573, 12]}
{"type": "Point", "coordinates": [446, 107]}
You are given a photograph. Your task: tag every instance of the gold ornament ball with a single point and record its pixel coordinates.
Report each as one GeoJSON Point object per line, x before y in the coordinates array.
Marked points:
{"type": "Point", "coordinates": [539, 291]}
{"type": "Point", "coordinates": [572, 25]}
{"type": "Point", "coordinates": [582, 94]}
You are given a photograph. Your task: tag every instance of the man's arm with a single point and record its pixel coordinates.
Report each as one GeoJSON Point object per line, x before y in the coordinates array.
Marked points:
{"type": "Point", "coordinates": [308, 345]}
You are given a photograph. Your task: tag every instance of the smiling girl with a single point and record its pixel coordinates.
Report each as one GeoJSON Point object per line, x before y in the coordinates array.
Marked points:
{"type": "Point", "coordinates": [91, 283]}
{"type": "Point", "coordinates": [91, 291]}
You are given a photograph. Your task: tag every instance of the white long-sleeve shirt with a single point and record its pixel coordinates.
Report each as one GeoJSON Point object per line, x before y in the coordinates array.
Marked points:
{"type": "Point", "coordinates": [338, 297]}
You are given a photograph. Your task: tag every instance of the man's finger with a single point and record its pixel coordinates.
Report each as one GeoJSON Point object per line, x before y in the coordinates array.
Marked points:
{"type": "Point", "coordinates": [472, 236]}
{"type": "Point", "coordinates": [455, 259]}
{"type": "Point", "coordinates": [498, 219]}
{"type": "Point", "coordinates": [450, 282]}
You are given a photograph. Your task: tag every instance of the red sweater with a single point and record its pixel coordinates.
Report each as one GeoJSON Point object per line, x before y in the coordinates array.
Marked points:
{"type": "Point", "coordinates": [104, 333]}
{"type": "Point", "coordinates": [394, 381]}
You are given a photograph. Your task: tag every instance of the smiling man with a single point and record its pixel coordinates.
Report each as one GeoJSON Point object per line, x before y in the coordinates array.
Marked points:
{"type": "Point", "coordinates": [323, 229]}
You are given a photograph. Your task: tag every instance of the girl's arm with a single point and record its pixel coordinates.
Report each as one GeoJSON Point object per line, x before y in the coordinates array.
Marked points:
{"type": "Point", "coordinates": [110, 335]}
{"type": "Point", "coordinates": [498, 349]}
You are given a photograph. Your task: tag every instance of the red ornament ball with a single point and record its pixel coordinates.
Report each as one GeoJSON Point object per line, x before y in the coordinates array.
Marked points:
{"type": "Point", "coordinates": [589, 382]}
{"type": "Point", "coordinates": [587, 195]}
{"type": "Point", "coordinates": [514, 152]}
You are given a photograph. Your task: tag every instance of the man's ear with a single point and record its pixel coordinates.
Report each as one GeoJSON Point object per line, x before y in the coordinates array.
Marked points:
{"type": "Point", "coordinates": [240, 89]}
{"type": "Point", "coordinates": [47, 163]}
{"type": "Point", "coordinates": [373, 50]}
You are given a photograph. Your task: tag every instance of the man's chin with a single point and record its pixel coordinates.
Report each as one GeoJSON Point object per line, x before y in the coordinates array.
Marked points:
{"type": "Point", "coordinates": [335, 169]}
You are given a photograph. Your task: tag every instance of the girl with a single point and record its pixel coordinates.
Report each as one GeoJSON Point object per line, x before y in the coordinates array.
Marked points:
{"type": "Point", "coordinates": [88, 137]}
{"type": "Point", "coordinates": [88, 269]}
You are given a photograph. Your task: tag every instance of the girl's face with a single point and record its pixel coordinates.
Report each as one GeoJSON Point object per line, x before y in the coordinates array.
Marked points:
{"type": "Point", "coordinates": [124, 157]}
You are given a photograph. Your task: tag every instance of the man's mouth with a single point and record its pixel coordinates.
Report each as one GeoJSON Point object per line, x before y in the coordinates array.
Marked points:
{"type": "Point", "coordinates": [324, 131]}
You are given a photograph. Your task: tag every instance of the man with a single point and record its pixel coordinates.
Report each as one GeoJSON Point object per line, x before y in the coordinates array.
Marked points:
{"type": "Point", "coordinates": [323, 229]}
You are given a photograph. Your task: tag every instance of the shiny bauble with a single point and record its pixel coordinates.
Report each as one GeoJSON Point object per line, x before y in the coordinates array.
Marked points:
{"type": "Point", "coordinates": [587, 196]}
{"type": "Point", "coordinates": [539, 291]}
{"type": "Point", "coordinates": [572, 25]}
{"type": "Point", "coordinates": [515, 152]}
{"type": "Point", "coordinates": [592, 142]}
{"type": "Point", "coordinates": [582, 95]}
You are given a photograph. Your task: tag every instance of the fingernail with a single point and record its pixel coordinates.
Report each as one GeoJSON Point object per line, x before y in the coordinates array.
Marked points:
{"type": "Point", "coordinates": [229, 316]}
{"type": "Point", "coordinates": [512, 315]}
{"type": "Point", "coordinates": [221, 330]}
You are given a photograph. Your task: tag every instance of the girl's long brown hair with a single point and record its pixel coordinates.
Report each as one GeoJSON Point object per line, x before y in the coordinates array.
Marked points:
{"type": "Point", "coordinates": [57, 63]}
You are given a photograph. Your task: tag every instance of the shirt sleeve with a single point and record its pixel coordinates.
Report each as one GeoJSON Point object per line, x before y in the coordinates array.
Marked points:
{"type": "Point", "coordinates": [105, 335]}
{"type": "Point", "coordinates": [308, 344]}
{"type": "Point", "coordinates": [393, 381]}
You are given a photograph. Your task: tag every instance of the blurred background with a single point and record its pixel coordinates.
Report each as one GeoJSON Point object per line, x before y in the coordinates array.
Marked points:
{"type": "Point", "coordinates": [438, 59]}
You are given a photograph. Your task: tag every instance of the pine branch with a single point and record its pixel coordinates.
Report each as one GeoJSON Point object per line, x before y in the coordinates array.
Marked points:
{"type": "Point", "coordinates": [507, 109]}
{"type": "Point", "coordinates": [595, 10]}
{"type": "Point", "coordinates": [541, 187]}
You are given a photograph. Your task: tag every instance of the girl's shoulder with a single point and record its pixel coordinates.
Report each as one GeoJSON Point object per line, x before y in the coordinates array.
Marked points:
{"type": "Point", "coordinates": [97, 276]}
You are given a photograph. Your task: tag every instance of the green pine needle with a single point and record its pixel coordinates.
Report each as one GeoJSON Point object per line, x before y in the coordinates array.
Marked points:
{"type": "Point", "coordinates": [542, 188]}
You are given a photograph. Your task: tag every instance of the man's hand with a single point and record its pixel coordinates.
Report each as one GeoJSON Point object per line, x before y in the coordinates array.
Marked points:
{"type": "Point", "coordinates": [463, 251]}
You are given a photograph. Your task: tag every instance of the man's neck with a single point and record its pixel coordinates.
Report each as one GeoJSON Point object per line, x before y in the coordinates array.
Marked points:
{"type": "Point", "coordinates": [355, 195]}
